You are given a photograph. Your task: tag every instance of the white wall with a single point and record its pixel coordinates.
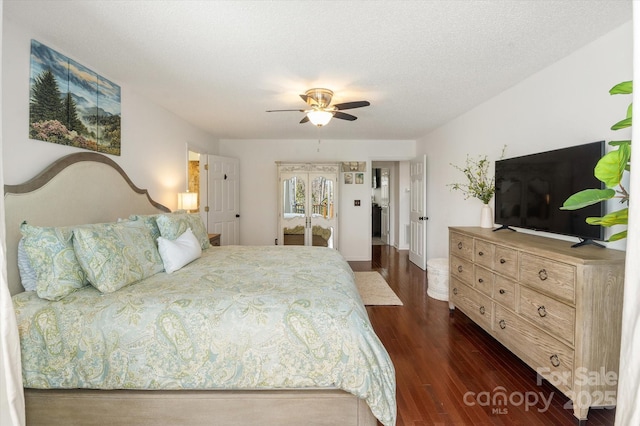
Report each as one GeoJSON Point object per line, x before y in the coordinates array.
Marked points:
{"type": "Point", "coordinates": [565, 104]}
{"type": "Point", "coordinates": [154, 141]}
{"type": "Point", "coordinates": [258, 186]}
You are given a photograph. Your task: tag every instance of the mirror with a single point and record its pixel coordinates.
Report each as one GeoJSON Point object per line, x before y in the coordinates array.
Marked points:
{"type": "Point", "coordinates": [322, 197]}
{"type": "Point", "coordinates": [308, 210]}
{"type": "Point", "coordinates": [294, 197]}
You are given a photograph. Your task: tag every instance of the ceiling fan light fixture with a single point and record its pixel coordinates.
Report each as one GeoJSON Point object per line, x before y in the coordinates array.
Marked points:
{"type": "Point", "coordinates": [321, 111]}
{"type": "Point", "coordinates": [318, 97]}
{"type": "Point", "coordinates": [319, 117]}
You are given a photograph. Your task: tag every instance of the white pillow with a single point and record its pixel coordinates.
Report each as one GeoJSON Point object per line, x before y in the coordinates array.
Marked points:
{"type": "Point", "coordinates": [177, 253]}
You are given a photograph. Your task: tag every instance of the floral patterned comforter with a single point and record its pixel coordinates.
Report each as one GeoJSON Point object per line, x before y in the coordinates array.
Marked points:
{"type": "Point", "coordinates": [237, 318]}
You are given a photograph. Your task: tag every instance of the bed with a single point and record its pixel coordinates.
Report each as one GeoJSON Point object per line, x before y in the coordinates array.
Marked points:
{"type": "Point", "coordinates": [223, 340]}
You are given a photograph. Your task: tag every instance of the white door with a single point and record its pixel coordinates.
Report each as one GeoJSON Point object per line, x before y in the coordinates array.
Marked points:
{"type": "Point", "coordinates": [223, 197]}
{"type": "Point", "coordinates": [418, 209]}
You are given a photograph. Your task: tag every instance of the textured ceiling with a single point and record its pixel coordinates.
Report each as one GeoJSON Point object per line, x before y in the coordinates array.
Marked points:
{"type": "Point", "coordinates": [221, 64]}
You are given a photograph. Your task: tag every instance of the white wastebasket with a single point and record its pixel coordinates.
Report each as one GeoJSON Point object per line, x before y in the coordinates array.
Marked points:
{"type": "Point", "coordinates": [438, 278]}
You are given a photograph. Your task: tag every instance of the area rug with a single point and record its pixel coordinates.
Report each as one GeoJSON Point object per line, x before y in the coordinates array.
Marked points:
{"type": "Point", "coordinates": [374, 290]}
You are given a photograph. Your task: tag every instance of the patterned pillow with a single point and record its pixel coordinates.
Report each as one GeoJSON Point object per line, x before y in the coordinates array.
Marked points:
{"type": "Point", "coordinates": [173, 225]}
{"type": "Point", "coordinates": [50, 252]}
{"type": "Point", "coordinates": [114, 255]}
{"type": "Point", "coordinates": [28, 276]}
{"type": "Point", "coordinates": [149, 221]}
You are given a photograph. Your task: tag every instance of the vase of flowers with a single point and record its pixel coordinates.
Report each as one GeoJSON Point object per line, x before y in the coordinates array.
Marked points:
{"type": "Point", "coordinates": [479, 185]}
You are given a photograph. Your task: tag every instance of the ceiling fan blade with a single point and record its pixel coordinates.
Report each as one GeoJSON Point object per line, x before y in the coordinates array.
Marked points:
{"type": "Point", "coordinates": [305, 98]}
{"type": "Point", "coordinates": [281, 110]}
{"type": "Point", "coordinates": [304, 120]}
{"type": "Point", "coordinates": [351, 105]}
{"type": "Point", "coordinates": [344, 116]}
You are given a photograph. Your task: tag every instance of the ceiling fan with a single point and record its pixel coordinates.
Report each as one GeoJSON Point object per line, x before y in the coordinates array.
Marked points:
{"type": "Point", "coordinates": [321, 111]}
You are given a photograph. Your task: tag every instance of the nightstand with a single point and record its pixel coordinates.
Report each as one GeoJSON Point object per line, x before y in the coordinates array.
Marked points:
{"type": "Point", "coordinates": [214, 239]}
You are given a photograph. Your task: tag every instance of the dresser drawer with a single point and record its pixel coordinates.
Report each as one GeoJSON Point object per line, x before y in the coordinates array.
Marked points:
{"type": "Point", "coordinates": [549, 276]}
{"type": "Point", "coordinates": [549, 314]}
{"type": "Point", "coordinates": [506, 261]}
{"type": "Point", "coordinates": [483, 280]}
{"type": "Point", "coordinates": [547, 356]}
{"type": "Point", "coordinates": [484, 253]}
{"type": "Point", "coordinates": [461, 269]}
{"type": "Point", "coordinates": [477, 306]}
{"type": "Point", "coordinates": [504, 292]}
{"type": "Point", "coordinates": [461, 245]}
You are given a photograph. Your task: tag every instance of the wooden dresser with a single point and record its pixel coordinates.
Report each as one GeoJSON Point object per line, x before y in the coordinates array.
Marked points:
{"type": "Point", "coordinates": [557, 308]}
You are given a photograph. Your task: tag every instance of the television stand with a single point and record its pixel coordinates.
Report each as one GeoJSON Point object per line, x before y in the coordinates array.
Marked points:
{"type": "Point", "coordinates": [556, 308]}
{"type": "Point", "coordinates": [504, 227]}
{"type": "Point", "coordinates": [587, 241]}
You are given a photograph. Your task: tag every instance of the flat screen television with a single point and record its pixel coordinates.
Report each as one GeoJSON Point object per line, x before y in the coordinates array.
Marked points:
{"type": "Point", "coordinates": [531, 189]}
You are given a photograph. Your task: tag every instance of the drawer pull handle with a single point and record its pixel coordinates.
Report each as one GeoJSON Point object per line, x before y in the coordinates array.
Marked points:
{"type": "Point", "coordinates": [503, 324]}
{"type": "Point", "coordinates": [480, 253]}
{"type": "Point", "coordinates": [555, 361]}
{"type": "Point", "coordinates": [480, 280]}
{"type": "Point", "coordinates": [501, 291]}
{"type": "Point", "coordinates": [455, 291]}
{"type": "Point", "coordinates": [460, 245]}
{"type": "Point", "coordinates": [482, 310]}
{"type": "Point", "coordinates": [460, 268]}
{"type": "Point", "coordinates": [503, 261]}
{"type": "Point", "coordinates": [542, 274]}
{"type": "Point", "coordinates": [542, 311]}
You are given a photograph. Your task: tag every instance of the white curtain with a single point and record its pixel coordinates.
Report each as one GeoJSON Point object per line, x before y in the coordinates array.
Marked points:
{"type": "Point", "coordinates": [628, 409]}
{"type": "Point", "coordinates": [11, 396]}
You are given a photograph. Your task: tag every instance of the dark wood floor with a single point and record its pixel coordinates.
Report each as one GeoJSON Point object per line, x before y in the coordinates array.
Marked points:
{"type": "Point", "coordinates": [440, 358]}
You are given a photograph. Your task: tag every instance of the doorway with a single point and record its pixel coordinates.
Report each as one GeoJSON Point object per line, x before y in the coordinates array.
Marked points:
{"type": "Point", "coordinates": [193, 175]}
{"type": "Point", "coordinates": [380, 203]}
{"type": "Point", "coordinates": [399, 197]}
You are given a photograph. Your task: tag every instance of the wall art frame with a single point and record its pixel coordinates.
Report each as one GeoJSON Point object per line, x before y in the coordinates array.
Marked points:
{"type": "Point", "coordinates": [71, 105]}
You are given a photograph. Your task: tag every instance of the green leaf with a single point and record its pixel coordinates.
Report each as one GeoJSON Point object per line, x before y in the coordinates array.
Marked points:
{"type": "Point", "coordinates": [610, 168]}
{"type": "Point", "coordinates": [630, 110]}
{"type": "Point", "coordinates": [620, 217]}
{"type": "Point", "coordinates": [618, 236]}
{"type": "Point", "coordinates": [624, 88]}
{"type": "Point", "coordinates": [586, 198]}
{"type": "Point", "coordinates": [622, 124]}
{"type": "Point", "coordinates": [616, 143]}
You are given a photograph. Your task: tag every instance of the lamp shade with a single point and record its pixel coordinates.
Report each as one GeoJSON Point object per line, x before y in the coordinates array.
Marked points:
{"type": "Point", "coordinates": [187, 200]}
{"type": "Point", "coordinates": [319, 117]}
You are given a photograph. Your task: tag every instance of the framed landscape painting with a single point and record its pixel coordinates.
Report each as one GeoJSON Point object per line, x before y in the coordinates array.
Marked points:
{"type": "Point", "coordinates": [71, 105]}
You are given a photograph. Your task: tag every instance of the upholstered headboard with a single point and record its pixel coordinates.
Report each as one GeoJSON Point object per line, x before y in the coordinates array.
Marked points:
{"type": "Point", "coordinates": [77, 189]}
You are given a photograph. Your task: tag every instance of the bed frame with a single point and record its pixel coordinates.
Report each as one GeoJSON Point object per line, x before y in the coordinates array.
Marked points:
{"type": "Point", "coordinates": [91, 188]}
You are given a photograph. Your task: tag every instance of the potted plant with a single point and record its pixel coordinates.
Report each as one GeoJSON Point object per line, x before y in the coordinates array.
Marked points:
{"type": "Point", "coordinates": [610, 170]}
{"type": "Point", "coordinates": [480, 184]}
